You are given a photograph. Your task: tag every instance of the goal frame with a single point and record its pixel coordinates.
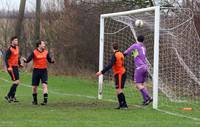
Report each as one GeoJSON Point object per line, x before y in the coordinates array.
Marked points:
{"type": "Point", "coordinates": [156, 48]}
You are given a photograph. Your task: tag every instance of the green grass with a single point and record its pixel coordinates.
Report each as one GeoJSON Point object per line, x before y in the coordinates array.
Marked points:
{"type": "Point", "coordinates": [72, 103]}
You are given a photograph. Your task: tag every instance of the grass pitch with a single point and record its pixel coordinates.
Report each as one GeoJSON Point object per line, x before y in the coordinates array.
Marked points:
{"type": "Point", "coordinates": [73, 103]}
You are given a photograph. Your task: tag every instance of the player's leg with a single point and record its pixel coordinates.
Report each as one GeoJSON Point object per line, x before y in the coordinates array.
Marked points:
{"type": "Point", "coordinates": [150, 99]}
{"type": "Point", "coordinates": [13, 97]}
{"type": "Point", "coordinates": [14, 74]}
{"type": "Point", "coordinates": [139, 78]}
{"type": "Point", "coordinates": [119, 85]}
{"type": "Point", "coordinates": [16, 82]}
{"type": "Point", "coordinates": [34, 94]}
{"type": "Point", "coordinates": [44, 79]}
{"type": "Point", "coordinates": [121, 93]}
{"type": "Point", "coordinates": [35, 84]}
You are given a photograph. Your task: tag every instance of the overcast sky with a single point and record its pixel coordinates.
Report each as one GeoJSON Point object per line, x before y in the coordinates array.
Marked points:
{"type": "Point", "coordinates": [14, 4]}
{"type": "Point", "coordinates": [30, 4]}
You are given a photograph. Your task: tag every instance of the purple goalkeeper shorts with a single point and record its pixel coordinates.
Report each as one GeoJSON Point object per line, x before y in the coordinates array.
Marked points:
{"type": "Point", "coordinates": [140, 74]}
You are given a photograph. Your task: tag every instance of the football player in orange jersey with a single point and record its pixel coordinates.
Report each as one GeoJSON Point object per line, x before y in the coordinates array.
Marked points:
{"type": "Point", "coordinates": [40, 58]}
{"type": "Point", "coordinates": [12, 63]}
{"type": "Point", "coordinates": [117, 64]}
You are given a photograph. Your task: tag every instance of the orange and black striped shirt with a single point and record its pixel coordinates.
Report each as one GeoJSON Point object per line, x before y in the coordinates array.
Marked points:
{"type": "Point", "coordinates": [116, 63]}
{"type": "Point", "coordinates": [40, 59]}
{"type": "Point", "coordinates": [12, 56]}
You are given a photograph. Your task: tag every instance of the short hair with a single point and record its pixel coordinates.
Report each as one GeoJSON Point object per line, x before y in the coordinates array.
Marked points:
{"type": "Point", "coordinates": [140, 38]}
{"type": "Point", "coordinates": [13, 38]}
{"type": "Point", "coordinates": [115, 46]}
{"type": "Point", "coordinates": [38, 43]}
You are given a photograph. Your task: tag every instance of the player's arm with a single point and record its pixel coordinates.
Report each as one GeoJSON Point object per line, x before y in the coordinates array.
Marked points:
{"type": "Point", "coordinates": [29, 58]}
{"type": "Point", "coordinates": [19, 61]}
{"type": "Point", "coordinates": [130, 50]}
{"type": "Point", "coordinates": [8, 53]}
{"type": "Point", "coordinates": [108, 67]}
{"type": "Point", "coordinates": [49, 59]}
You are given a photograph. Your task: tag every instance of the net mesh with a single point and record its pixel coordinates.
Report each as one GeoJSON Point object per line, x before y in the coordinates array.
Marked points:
{"type": "Point", "coordinates": [179, 55]}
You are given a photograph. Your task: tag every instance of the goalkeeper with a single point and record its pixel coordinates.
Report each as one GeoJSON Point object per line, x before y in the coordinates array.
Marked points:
{"type": "Point", "coordinates": [138, 50]}
{"type": "Point", "coordinates": [117, 64]}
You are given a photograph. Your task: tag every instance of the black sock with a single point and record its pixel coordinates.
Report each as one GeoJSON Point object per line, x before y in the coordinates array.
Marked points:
{"type": "Point", "coordinates": [45, 97]}
{"type": "Point", "coordinates": [122, 100]}
{"type": "Point", "coordinates": [35, 97]}
{"type": "Point", "coordinates": [12, 89]}
{"type": "Point", "coordinates": [119, 101]}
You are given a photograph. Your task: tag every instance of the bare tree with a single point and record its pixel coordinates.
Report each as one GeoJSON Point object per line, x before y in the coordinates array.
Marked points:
{"type": "Point", "coordinates": [37, 20]}
{"type": "Point", "coordinates": [20, 18]}
{"type": "Point", "coordinates": [6, 23]}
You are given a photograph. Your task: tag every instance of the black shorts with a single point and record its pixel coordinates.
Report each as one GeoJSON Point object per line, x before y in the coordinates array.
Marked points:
{"type": "Point", "coordinates": [39, 74]}
{"type": "Point", "coordinates": [14, 74]}
{"type": "Point", "coordinates": [120, 81]}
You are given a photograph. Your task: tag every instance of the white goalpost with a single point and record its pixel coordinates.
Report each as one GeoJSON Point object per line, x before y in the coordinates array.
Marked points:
{"type": "Point", "coordinates": [173, 55]}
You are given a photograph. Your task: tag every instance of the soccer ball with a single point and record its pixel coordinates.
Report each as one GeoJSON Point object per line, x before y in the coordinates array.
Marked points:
{"type": "Point", "coordinates": [139, 23]}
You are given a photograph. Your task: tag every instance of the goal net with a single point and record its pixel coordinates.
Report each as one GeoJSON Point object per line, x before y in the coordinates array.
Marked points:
{"type": "Point", "coordinates": [179, 55]}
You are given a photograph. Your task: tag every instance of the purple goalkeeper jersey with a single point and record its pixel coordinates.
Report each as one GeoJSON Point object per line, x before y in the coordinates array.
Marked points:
{"type": "Point", "coordinates": [138, 50]}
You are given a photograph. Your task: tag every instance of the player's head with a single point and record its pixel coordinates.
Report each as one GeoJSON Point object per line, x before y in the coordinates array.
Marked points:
{"type": "Point", "coordinates": [140, 38]}
{"type": "Point", "coordinates": [14, 41]}
{"type": "Point", "coordinates": [41, 44]}
{"type": "Point", "coordinates": [115, 46]}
